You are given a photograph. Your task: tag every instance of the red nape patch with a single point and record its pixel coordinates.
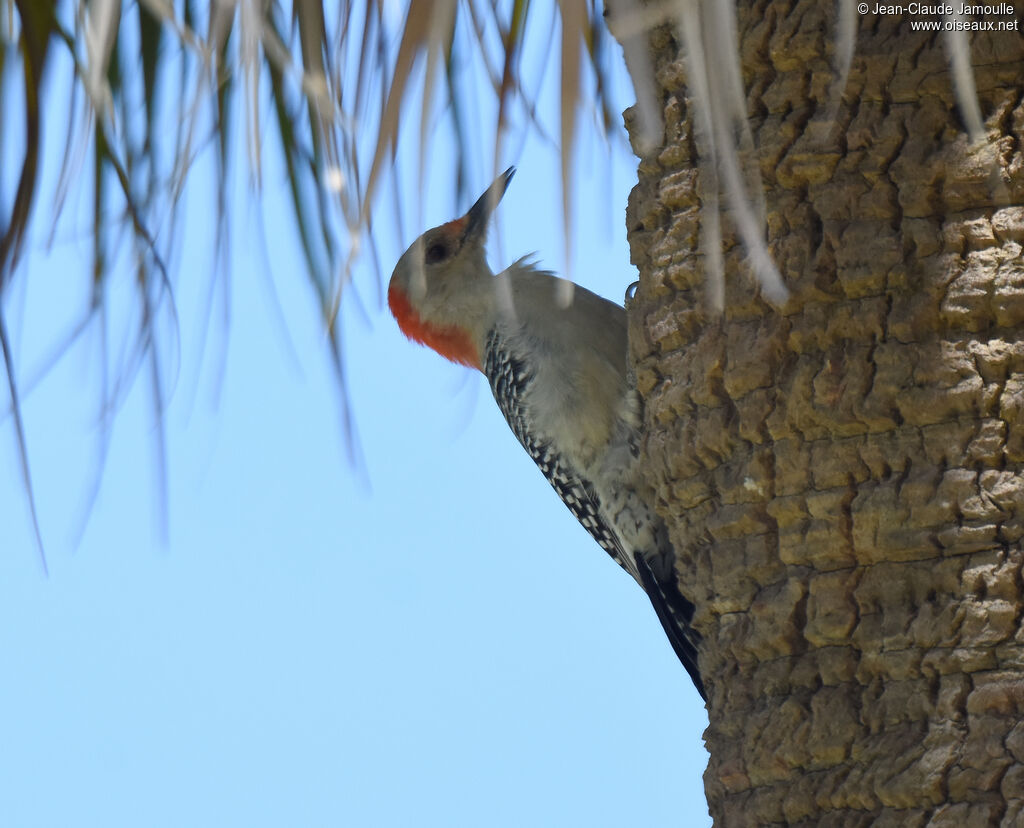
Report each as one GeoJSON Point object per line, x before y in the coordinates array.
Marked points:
{"type": "Point", "coordinates": [455, 227]}
{"type": "Point", "coordinates": [450, 342]}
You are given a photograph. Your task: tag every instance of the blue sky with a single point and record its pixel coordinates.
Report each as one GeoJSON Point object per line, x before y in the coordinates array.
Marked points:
{"type": "Point", "coordinates": [431, 640]}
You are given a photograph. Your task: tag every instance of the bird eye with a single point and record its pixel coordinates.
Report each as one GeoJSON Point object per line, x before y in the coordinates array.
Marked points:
{"type": "Point", "coordinates": [436, 252]}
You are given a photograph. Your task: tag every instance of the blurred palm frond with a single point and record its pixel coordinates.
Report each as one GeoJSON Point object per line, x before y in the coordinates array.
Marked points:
{"type": "Point", "coordinates": [154, 85]}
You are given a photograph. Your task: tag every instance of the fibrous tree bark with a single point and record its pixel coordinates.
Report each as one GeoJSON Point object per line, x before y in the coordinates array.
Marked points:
{"type": "Point", "coordinates": [843, 475]}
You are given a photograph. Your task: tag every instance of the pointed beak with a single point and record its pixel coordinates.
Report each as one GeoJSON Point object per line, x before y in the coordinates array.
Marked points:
{"type": "Point", "coordinates": [480, 213]}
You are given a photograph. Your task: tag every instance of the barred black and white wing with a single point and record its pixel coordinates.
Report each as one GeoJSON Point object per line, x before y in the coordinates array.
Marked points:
{"type": "Point", "coordinates": [510, 380]}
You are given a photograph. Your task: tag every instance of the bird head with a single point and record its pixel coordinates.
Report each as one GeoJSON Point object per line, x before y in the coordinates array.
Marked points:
{"type": "Point", "coordinates": [441, 288]}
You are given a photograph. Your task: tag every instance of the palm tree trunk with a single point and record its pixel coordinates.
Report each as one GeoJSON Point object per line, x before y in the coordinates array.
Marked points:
{"type": "Point", "coordinates": [842, 476]}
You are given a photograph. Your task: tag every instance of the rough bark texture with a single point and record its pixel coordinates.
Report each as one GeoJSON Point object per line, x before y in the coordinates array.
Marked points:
{"type": "Point", "coordinates": [843, 477]}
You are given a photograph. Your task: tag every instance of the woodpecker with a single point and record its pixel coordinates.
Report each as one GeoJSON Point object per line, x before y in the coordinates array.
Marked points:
{"type": "Point", "coordinates": [559, 374]}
